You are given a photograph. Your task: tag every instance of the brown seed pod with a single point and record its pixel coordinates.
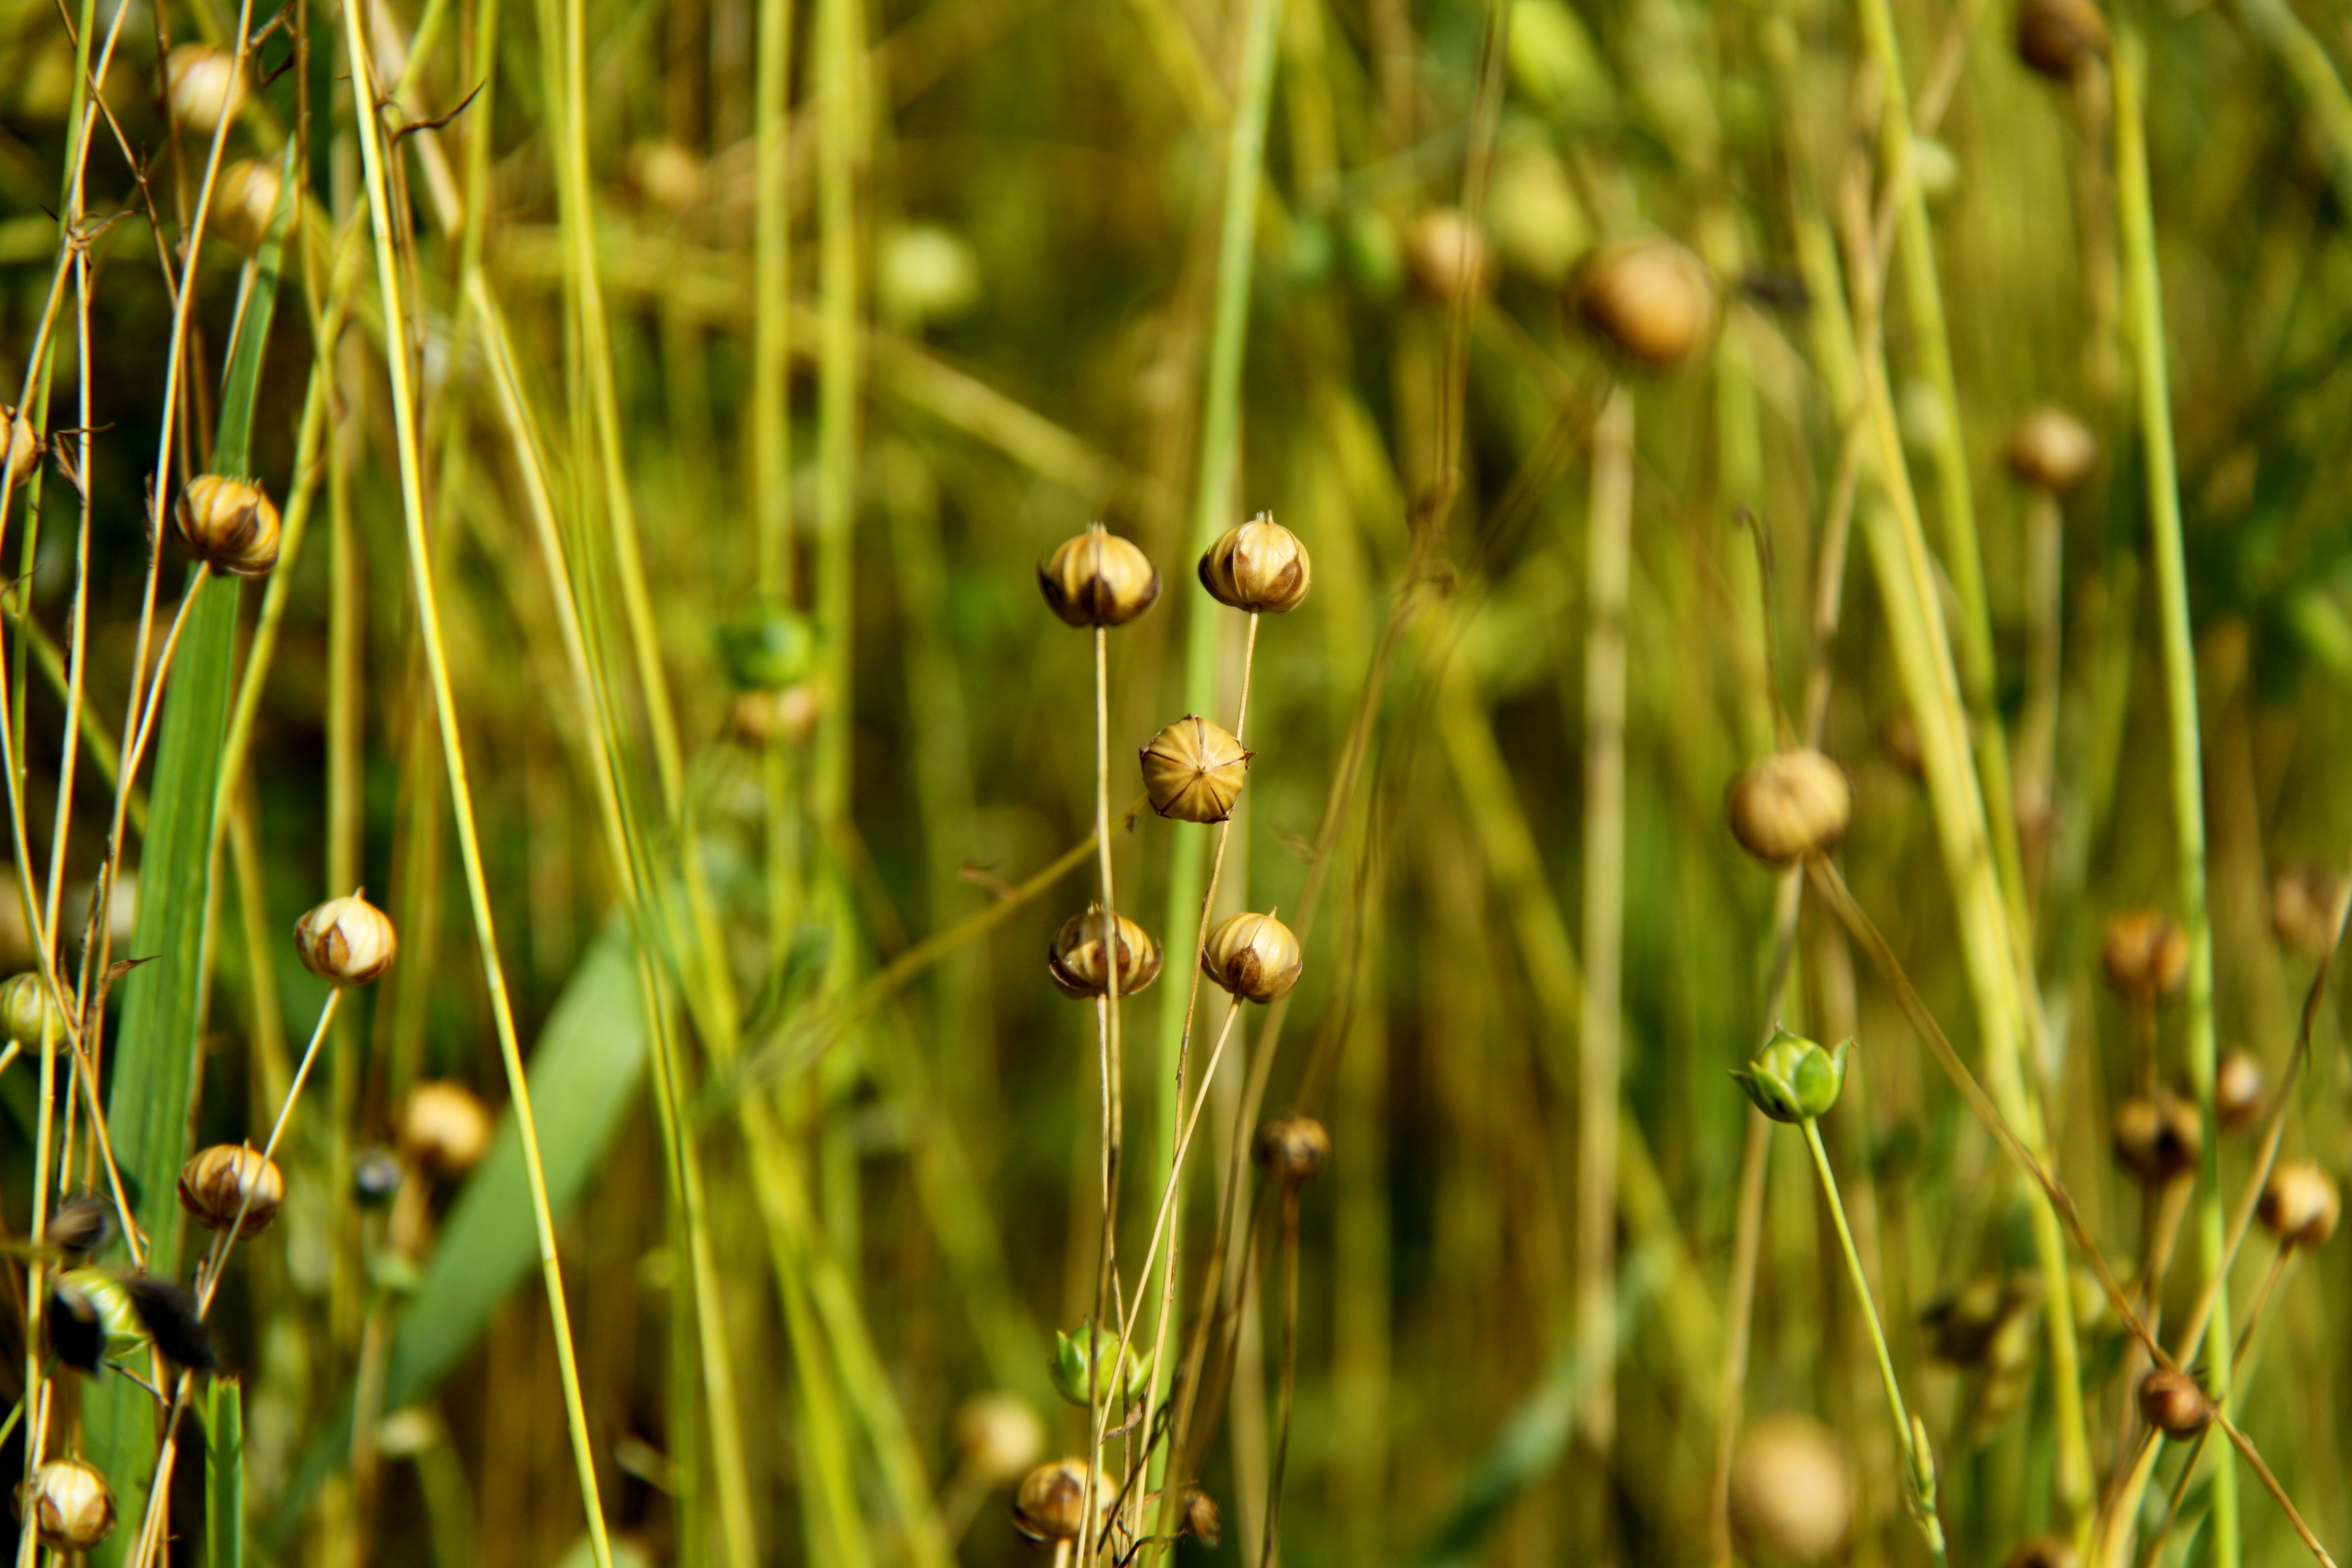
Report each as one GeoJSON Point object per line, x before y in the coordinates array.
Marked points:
{"type": "Point", "coordinates": [2052, 450]}
{"type": "Point", "coordinates": [1792, 1489]}
{"type": "Point", "coordinates": [1292, 1149]}
{"type": "Point", "coordinates": [1256, 957]}
{"type": "Point", "coordinates": [201, 78]}
{"type": "Point", "coordinates": [244, 199]}
{"type": "Point", "coordinates": [2238, 1090]}
{"type": "Point", "coordinates": [346, 941]}
{"type": "Point", "coordinates": [2146, 956]}
{"type": "Point", "coordinates": [230, 523]}
{"type": "Point", "coordinates": [1260, 567]}
{"type": "Point", "coordinates": [998, 1436]}
{"type": "Point", "coordinates": [1051, 1505]}
{"type": "Point", "coordinates": [1789, 805]}
{"type": "Point", "coordinates": [1650, 300]}
{"type": "Point", "coordinates": [220, 1183]}
{"type": "Point", "coordinates": [22, 443]}
{"type": "Point", "coordinates": [2303, 908]}
{"type": "Point", "coordinates": [1448, 257]}
{"type": "Point", "coordinates": [2158, 1139]}
{"type": "Point", "coordinates": [1080, 960]}
{"type": "Point", "coordinates": [2173, 1403]}
{"type": "Point", "coordinates": [2057, 38]}
{"type": "Point", "coordinates": [2042, 1552]}
{"type": "Point", "coordinates": [445, 1127]}
{"type": "Point", "coordinates": [1098, 579]}
{"type": "Point", "coordinates": [2300, 1204]}
{"type": "Point", "coordinates": [73, 1508]}
{"type": "Point", "coordinates": [1194, 772]}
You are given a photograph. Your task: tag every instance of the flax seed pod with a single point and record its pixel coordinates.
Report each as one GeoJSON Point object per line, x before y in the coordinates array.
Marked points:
{"type": "Point", "coordinates": [1789, 805]}
{"type": "Point", "coordinates": [445, 1127]}
{"type": "Point", "coordinates": [1256, 957]}
{"type": "Point", "coordinates": [2303, 908]}
{"type": "Point", "coordinates": [229, 524]}
{"type": "Point", "coordinates": [29, 1013]}
{"type": "Point", "coordinates": [1195, 771]}
{"type": "Point", "coordinates": [1649, 300]}
{"type": "Point", "coordinates": [1080, 958]}
{"type": "Point", "coordinates": [2145, 955]}
{"type": "Point", "coordinates": [201, 80]}
{"type": "Point", "coordinates": [2239, 1090]}
{"type": "Point", "coordinates": [1292, 1149]}
{"type": "Point", "coordinates": [998, 1436]}
{"type": "Point", "coordinates": [2173, 1403]}
{"type": "Point", "coordinates": [346, 941]}
{"type": "Point", "coordinates": [2158, 1137]}
{"type": "Point", "coordinates": [228, 1180]}
{"type": "Point", "coordinates": [1051, 1505]}
{"type": "Point", "coordinates": [1792, 1489]}
{"type": "Point", "coordinates": [244, 200]}
{"type": "Point", "coordinates": [2052, 450]}
{"type": "Point", "coordinates": [73, 1508]}
{"type": "Point", "coordinates": [2300, 1204]}
{"type": "Point", "coordinates": [1260, 567]}
{"type": "Point", "coordinates": [2057, 38]}
{"type": "Point", "coordinates": [1098, 579]}
{"type": "Point", "coordinates": [1448, 257]}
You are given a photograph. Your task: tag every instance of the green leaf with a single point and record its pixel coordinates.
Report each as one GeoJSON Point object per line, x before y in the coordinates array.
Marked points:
{"type": "Point", "coordinates": [225, 1475]}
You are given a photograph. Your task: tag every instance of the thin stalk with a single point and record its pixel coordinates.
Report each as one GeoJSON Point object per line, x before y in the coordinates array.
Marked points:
{"type": "Point", "coordinates": [2144, 312]}
{"type": "Point", "coordinates": [1113, 1089]}
{"type": "Point", "coordinates": [1270, 1555]}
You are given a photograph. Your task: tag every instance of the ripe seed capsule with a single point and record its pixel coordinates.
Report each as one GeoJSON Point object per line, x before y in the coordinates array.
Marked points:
{"type": "Point", "coordinates": [73, 1508]}
{"type": "Point", "coordinates": [445, 1128]}
{"type": "Point", "coordinates": [200, 79]}
{"type": "Point", "coordinates": [229, 524]}
{"type": "Point", "coordinates": [1098, 579]}
{"type": "Point", "coordinates": [2238, 1090]}
{"type": "Point", "coordinates": [1789, 805]}
{"type": "Point", "coordinates": [998, 1436]}
{"type": "Point", "coordinates": [1792, 1489]}
{"type": "Point", "coordinates": [228, 1179]}
{"type": "Point", "coordinates": [2052, 450]}
{"type": "Point", "coordinates": [2173, 1403]}
{"type": "Point", "coordinates": [2145, 955]}
{"type": "Point", "coordinates": [1448, 258]}
{"type": "Point", "coordinates": [1260, 567]}
{"type": "Point", "coordinates": [1256, 957]}
{"type": "Point", "coordinates": [28, 1014]}
{"type": "Point", "coordinates": [1080, 961]}
{"type": "Point", "coordinates": [2056, 38]}
{"type": "Point", "coordinates": [2158, 1139]}
{"type": "Point", "coordinates": [245, 201]}
{"type": "Point", "coordinates": [2300, 1204]}
{"type": "Point", "coordinates": [1650, 300]}
{"type": "Point", "coordinates": [1195, 771]}
{"type": "Point", "coordinates": [1051, 1505]}
{"type": "Point", "coordinates": [346, 941]}
{"type": "Point", "coordinates": [1292, 1149]}
{"type": "Point", "coordinates": [2303, 908]}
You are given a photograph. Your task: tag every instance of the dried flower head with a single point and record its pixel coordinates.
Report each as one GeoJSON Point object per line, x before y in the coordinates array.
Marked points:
{"type": "Point", "coordinates": [1260, 567]}
{"type": "Point", "coordinates": [2056, 38]}
{"type": "Point", "coordinates": [1448, 257]}
{"type": "Point", "coordinates": [1292, 1149]}
{"type": "Point", "coordinates": [1650, 300]}
{"type": "Point", "coordinates": [2158, 1138]}
{"type": "Point", "coordinates": [2173, 1403]}
{"type": "Point", "coordinates": [2300, 1204]}
{"type": "Point", "coordinates": [346, 941]}
{"type": "Point", "coordinates": [1051, 1505]}
{"type": "Point", "coordinates": [2145, 955]}
{"type": "Point", "coordinates": [2052, 450]}
{"type": "Point", "coordinates": [22, 443]}
{"type": "Point", "coordinates": [229, 524]}
{"type": "Point", "coordinates": [1256, 957]}
{"type": "Point", "coordinates": [1099, 579]}
{"type": "Point", "coordinates": [1080, 958]}
{"type": "Point", "coordinates": [1792, 1489]}
{"type": "Point", "coordinates": [998, 1436]}
{"type": "Point", "coordinates": [29, 1013]}
{"type": "Point", "coordinates": [1789, 805]}
{"type": "Point", "coordinates": [201, 79]}
{"type": "Point", "coordinates": [1195, 771]}
{"type": "Point", "coordinates": [445, 1127]}
{"type": "Point", "coordinates": [228, 1180]}
{"type": "Point", "coordinates": [2238, 1090]}
{"type": "Point", "coordinates": [73, 1508]}
{"type": "Point", "coordinates": [2303, 908]}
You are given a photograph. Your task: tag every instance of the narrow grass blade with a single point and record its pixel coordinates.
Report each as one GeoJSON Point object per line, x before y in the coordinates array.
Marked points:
{"type": "Point", "coordinates": [225, 1475]}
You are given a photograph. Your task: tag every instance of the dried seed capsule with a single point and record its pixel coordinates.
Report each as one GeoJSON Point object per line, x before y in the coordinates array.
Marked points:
{"type": "Point", "coordinates": [2057, 38]}
{"type": "Point", "coordinates": [376, 1175]}
{"type": "Point", "coordinates": [1260, 567]}
{"type": "Point", "coordinates": [2303, 908]}
{"type": "Point", "coordinates": [346, 941]}
{"type": "Point", "coordinates": [1080, 961]}
{"type": "Point", "coordinates": [998, 1436]}
{"type": "Point", "coordinates": [1089, 1363]}
{"type": "Point", "coordinates": [2300, 1204]}
{"type": "Point", "coordinates": [2238, 1090]}
{"type": "Point", "coordinates": [227, 1179]}
{"type": "Point", "coordinates": [1051, 1505]}
{"type": "Point", "coordinates": [2052, 450]}
{"type": "Point", "coordinates": [1195, 771]}
{"type": "Point", "coordinates": [21, 442]}
{"type": "Point", "coordinates": [244, 202]}
{"type": "Point", "coordinates": [230, 523]}
{"type": "Point", "coordinates": [29, 1013]}
{"type": "Point", "coordinates": [445, 1128]}
{"type": "Point", "coordinates": [1650, 300]}
{"type": "Point", "coordinates": [1256, 957]}
{"type": "Point", "coordinates": [2173, 1403]}
{"type": "Point", "coordinates": [1792, 1489]}
{"type": "Point", "coordinates": [1292, 1149]}
{"type": "Point", "coordinates": [1448, 257]}
{"type": "Point", "coordinates": [767, 648]}
{"type": "Point", "coordinates": [1789, 805]}
{"type": "Point", "coordinates": [73, 1508]}
{"type": "Point", "coordinates": [2158, 1139]}
{"type": "Point", "coordinates": [2042, 1552]}
{"type": "Point", "coordinates": [201, 78]}
{"type": "Point", "coordinates": [1099, 579]}
{"type": "Point", "coordinates": [2146, 956]}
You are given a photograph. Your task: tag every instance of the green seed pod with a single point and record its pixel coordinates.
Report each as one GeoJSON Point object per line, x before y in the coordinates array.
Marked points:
{"type": "Point", "coordinates": [1195, 771]}
{"type": "Point", "coordinates": [767, 648]}
{"type": "Point", "coordinates": [1090, 1359]}
{"type": "Point", "coordinates": [229, 524]}
{"type": "Point", "coordinates": [28, 1014]}
{"type": "Point", "coordinates": [1793, 1079]}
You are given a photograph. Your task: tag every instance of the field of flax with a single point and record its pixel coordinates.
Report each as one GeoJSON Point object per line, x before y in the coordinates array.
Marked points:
{"type": "Point", "coordinates": [911, 782]}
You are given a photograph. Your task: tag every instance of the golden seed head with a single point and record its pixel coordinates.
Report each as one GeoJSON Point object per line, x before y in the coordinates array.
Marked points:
{"type": "Point", "coordinates": [2238, 1090]}
{"type": "Point", "coordinates": [1792, 1489]}
{"type": "Point", "coordinates": [1080, 958]}
{"type": "Point", "coordinates": [998, 1436]}
{"type": "Point", "coordinates": [73, 1508]}
{"type": "Point", "coordinates": [2056, 38]}
{"type": "Point", "coordinates": [2300, 1204]}
{"type": "Point", "coordinates": [2042, 1552]}
{"type": "Point", "coordinates": [1260, 567]}
{"type": "Point", "coordinates": [1051, 1505]}
{"type": "Point", "coordinates": [201, 78]}
{"type": "Point", "coordinates": [1194, 772]}
{"type": "Point", "coordinates": [1099, 579]}
{"type": "Point", "coordinates": [2052, 450]}
{"type": "Point", "coordinates": [1448, 257]}
{"type": "Point", "coordinates": [1292, 1149]}
{"type": "Point", "coordinates": [220, 1183]}
{"type": "Point", "coordinates": [28, 1014]}
{"type": "Point", "coordinates": [445, 1127]}
{"type": "Point", "coordinates": [346, 941]}
{"type": "Point", "coordinates": [1256, 957]}
{"type": "Point", "coordinates": [2158, 1139]}
{"type": "Point", "coordinates": [22, 443]}
{"type": "Point", "coordinates": [244, 198]}
{"type": "Point", "coordinates": [230, 523]}
{"type": "Point", "coordinates": [2173, 1403]}
{"type": "Point", "coordinates": [2146, 956]}
{"type": "Point", "coordinates": [1789, 805]}
{"type": "Point", "coordinates": [2303, 908]}
{"type": "Point", "coordinates": [1652, 301]}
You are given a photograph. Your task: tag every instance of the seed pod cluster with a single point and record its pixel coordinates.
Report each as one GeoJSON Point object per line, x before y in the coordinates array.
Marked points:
{"type": "Point", "coordinates": [346, 941]}
{"type": "Point", "coordinates": [2145, 955]}
{"type": "Point", "coordinates": [1081, 957]}
{"type": "Point", "coordinates": [1051, 1505]}
{"type": "Point", "coordinates": [1792, 1489]}
{"type": "Point", "coordinates": [2158, 1137]}
{"type": "Point", "coordinates": [445, 1127]}
{"type": "Point", "coordinates": [1193, 771]}
{"type": "Point", "coordinates": [1789, 805]}
{"type": "Point", "coordinates": [1292, 1150]}
{"type": "Point", "coordinates": [227, 1181]}
{"type": "Point", "coordinates": [2300, 1204]}
{"type": "Point", "coordinates": [2173, 1403]}
{"type": "Point", "coordinates": [73, 1508]}
{"type": "Point", "coordinates": [1099, 579]}
{"type": "Point", "coordinates": [1649, 300]}
{"type": "Point", "coordinates": [1256, 957]}
{"type": "Point", "coordinates": [230, 524]}
{"type": "Point", "coordinates": [1260, 567]}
